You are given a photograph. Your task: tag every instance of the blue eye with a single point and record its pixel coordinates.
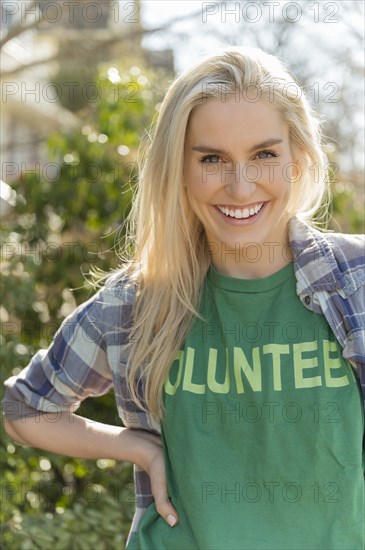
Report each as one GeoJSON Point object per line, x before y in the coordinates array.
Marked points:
{"type": "Point", "coordinates": [210, 159]}
{"type": "Point", "coordinates": [266, 154]}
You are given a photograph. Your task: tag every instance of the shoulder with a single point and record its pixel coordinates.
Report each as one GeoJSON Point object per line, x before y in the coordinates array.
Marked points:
{"type": "Point", "coordinates": [304, 236]}
{"type": "Point", "coordinates": [305, 239]}
{"type": "Point", "coordinates": [118, 287]}
{"type": "Point", "coordinates": [332, 260]}
{"type": "Point", "coordinates": [107, 307]}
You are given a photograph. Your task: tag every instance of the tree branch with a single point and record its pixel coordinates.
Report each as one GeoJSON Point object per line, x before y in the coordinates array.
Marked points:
{"type": "Point", "coordinates": [97, 44]}
{"type": "Point", "coordinates": [20, 28]}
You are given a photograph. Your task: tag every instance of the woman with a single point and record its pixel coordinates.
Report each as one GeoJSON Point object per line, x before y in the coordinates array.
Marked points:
{"type": "Point", "coordinates": [233, 337]}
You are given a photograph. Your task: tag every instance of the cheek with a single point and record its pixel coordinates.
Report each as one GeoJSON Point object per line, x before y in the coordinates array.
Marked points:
{"type": "Point", "coordinates": [202, 176]}
{"type": "Point", "coordinates": [199, 184]}
{"type": "Point", "coordinates": [277, 176]}
{"type": "Point", "coordinates": [195, 201]}
{"type": "Point", "coordinates": [196, 196]}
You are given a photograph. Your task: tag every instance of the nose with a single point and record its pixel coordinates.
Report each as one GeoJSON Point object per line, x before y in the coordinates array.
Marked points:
{"type": "Point", "coordinates": [241, 180]}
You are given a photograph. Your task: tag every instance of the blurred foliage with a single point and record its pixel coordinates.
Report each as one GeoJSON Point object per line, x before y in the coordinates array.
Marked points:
{"type": "Point", "coordinates": [348, 205]}
{"type": "Point", "coordinates": [345, 213]}
{"type": "Point", "coordinates": [68, 219]}
{"type": "Point", "coordinates": [50, 501]}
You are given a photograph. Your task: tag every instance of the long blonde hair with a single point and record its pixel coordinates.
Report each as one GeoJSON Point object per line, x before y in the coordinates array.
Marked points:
{"type": "Point", "coordinates": [171, 256]}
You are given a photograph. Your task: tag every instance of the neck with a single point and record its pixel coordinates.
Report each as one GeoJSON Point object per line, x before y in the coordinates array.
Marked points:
{"type": "Point", "coordinates": [253, 261]}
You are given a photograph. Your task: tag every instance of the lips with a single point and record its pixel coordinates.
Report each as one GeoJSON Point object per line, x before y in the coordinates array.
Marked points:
{"type": "Point", "coordinates": [240, 213]}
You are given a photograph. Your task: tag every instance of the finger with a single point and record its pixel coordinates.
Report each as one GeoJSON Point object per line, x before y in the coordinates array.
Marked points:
{"type": "Point", "coordinates": [162, 501]}
{"type": "Point", "coordinates": [168, 512]}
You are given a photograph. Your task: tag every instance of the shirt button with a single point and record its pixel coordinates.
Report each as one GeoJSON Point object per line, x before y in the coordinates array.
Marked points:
{"type": "Point", "coordinates": [307, 300]}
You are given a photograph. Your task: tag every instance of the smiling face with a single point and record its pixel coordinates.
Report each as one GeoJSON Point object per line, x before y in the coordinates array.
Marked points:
{"type": "Point", "coordinates": [238, 179]}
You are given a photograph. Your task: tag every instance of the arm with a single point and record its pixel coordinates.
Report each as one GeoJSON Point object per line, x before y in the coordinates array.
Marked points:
{"type": "Point", "coordinates": [72, 435]}
{"type": "Point", "coordinates": [75, 436]}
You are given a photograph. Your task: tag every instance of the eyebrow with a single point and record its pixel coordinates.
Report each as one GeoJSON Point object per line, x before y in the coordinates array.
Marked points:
{"type": "Point", "coordinates": [266, 143]}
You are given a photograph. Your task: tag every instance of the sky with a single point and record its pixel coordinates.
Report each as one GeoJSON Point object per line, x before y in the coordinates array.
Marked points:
{"type": "Point", "coordinates": [211, 19]}
{"type": "Point", "coordinates": [157, 12]}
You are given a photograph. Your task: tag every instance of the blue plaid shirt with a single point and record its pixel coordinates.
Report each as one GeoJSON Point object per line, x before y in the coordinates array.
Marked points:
{"type": "Point", "coordinates": [90, 350]}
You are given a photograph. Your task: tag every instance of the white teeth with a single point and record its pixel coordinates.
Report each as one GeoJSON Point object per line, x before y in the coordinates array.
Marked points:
{"type": "Point", "coordinates": [244, 213]}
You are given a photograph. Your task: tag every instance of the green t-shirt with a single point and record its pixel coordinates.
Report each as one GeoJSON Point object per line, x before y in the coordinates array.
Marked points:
{"type": "Point", "coordinates": [263, 429]}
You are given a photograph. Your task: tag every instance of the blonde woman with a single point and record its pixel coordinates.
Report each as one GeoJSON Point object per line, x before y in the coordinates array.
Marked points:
{"type": "Point", "coordinates": [233, 337]}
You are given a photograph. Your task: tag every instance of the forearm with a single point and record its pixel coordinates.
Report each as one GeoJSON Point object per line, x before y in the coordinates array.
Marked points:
{"type": "Point", "coordinates": [75, 436]}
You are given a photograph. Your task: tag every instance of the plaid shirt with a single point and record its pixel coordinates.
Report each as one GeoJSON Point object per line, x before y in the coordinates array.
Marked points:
{"type": "Point", "coordinates": [90, 350]}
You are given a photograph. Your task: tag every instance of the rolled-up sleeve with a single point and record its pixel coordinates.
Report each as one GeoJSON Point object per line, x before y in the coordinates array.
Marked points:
{"type": "Point", "coordinates": [74, 367]}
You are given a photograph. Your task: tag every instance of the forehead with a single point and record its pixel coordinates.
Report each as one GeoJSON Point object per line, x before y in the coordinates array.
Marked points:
{"type": "Point", "coordinates": [236, 119]}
